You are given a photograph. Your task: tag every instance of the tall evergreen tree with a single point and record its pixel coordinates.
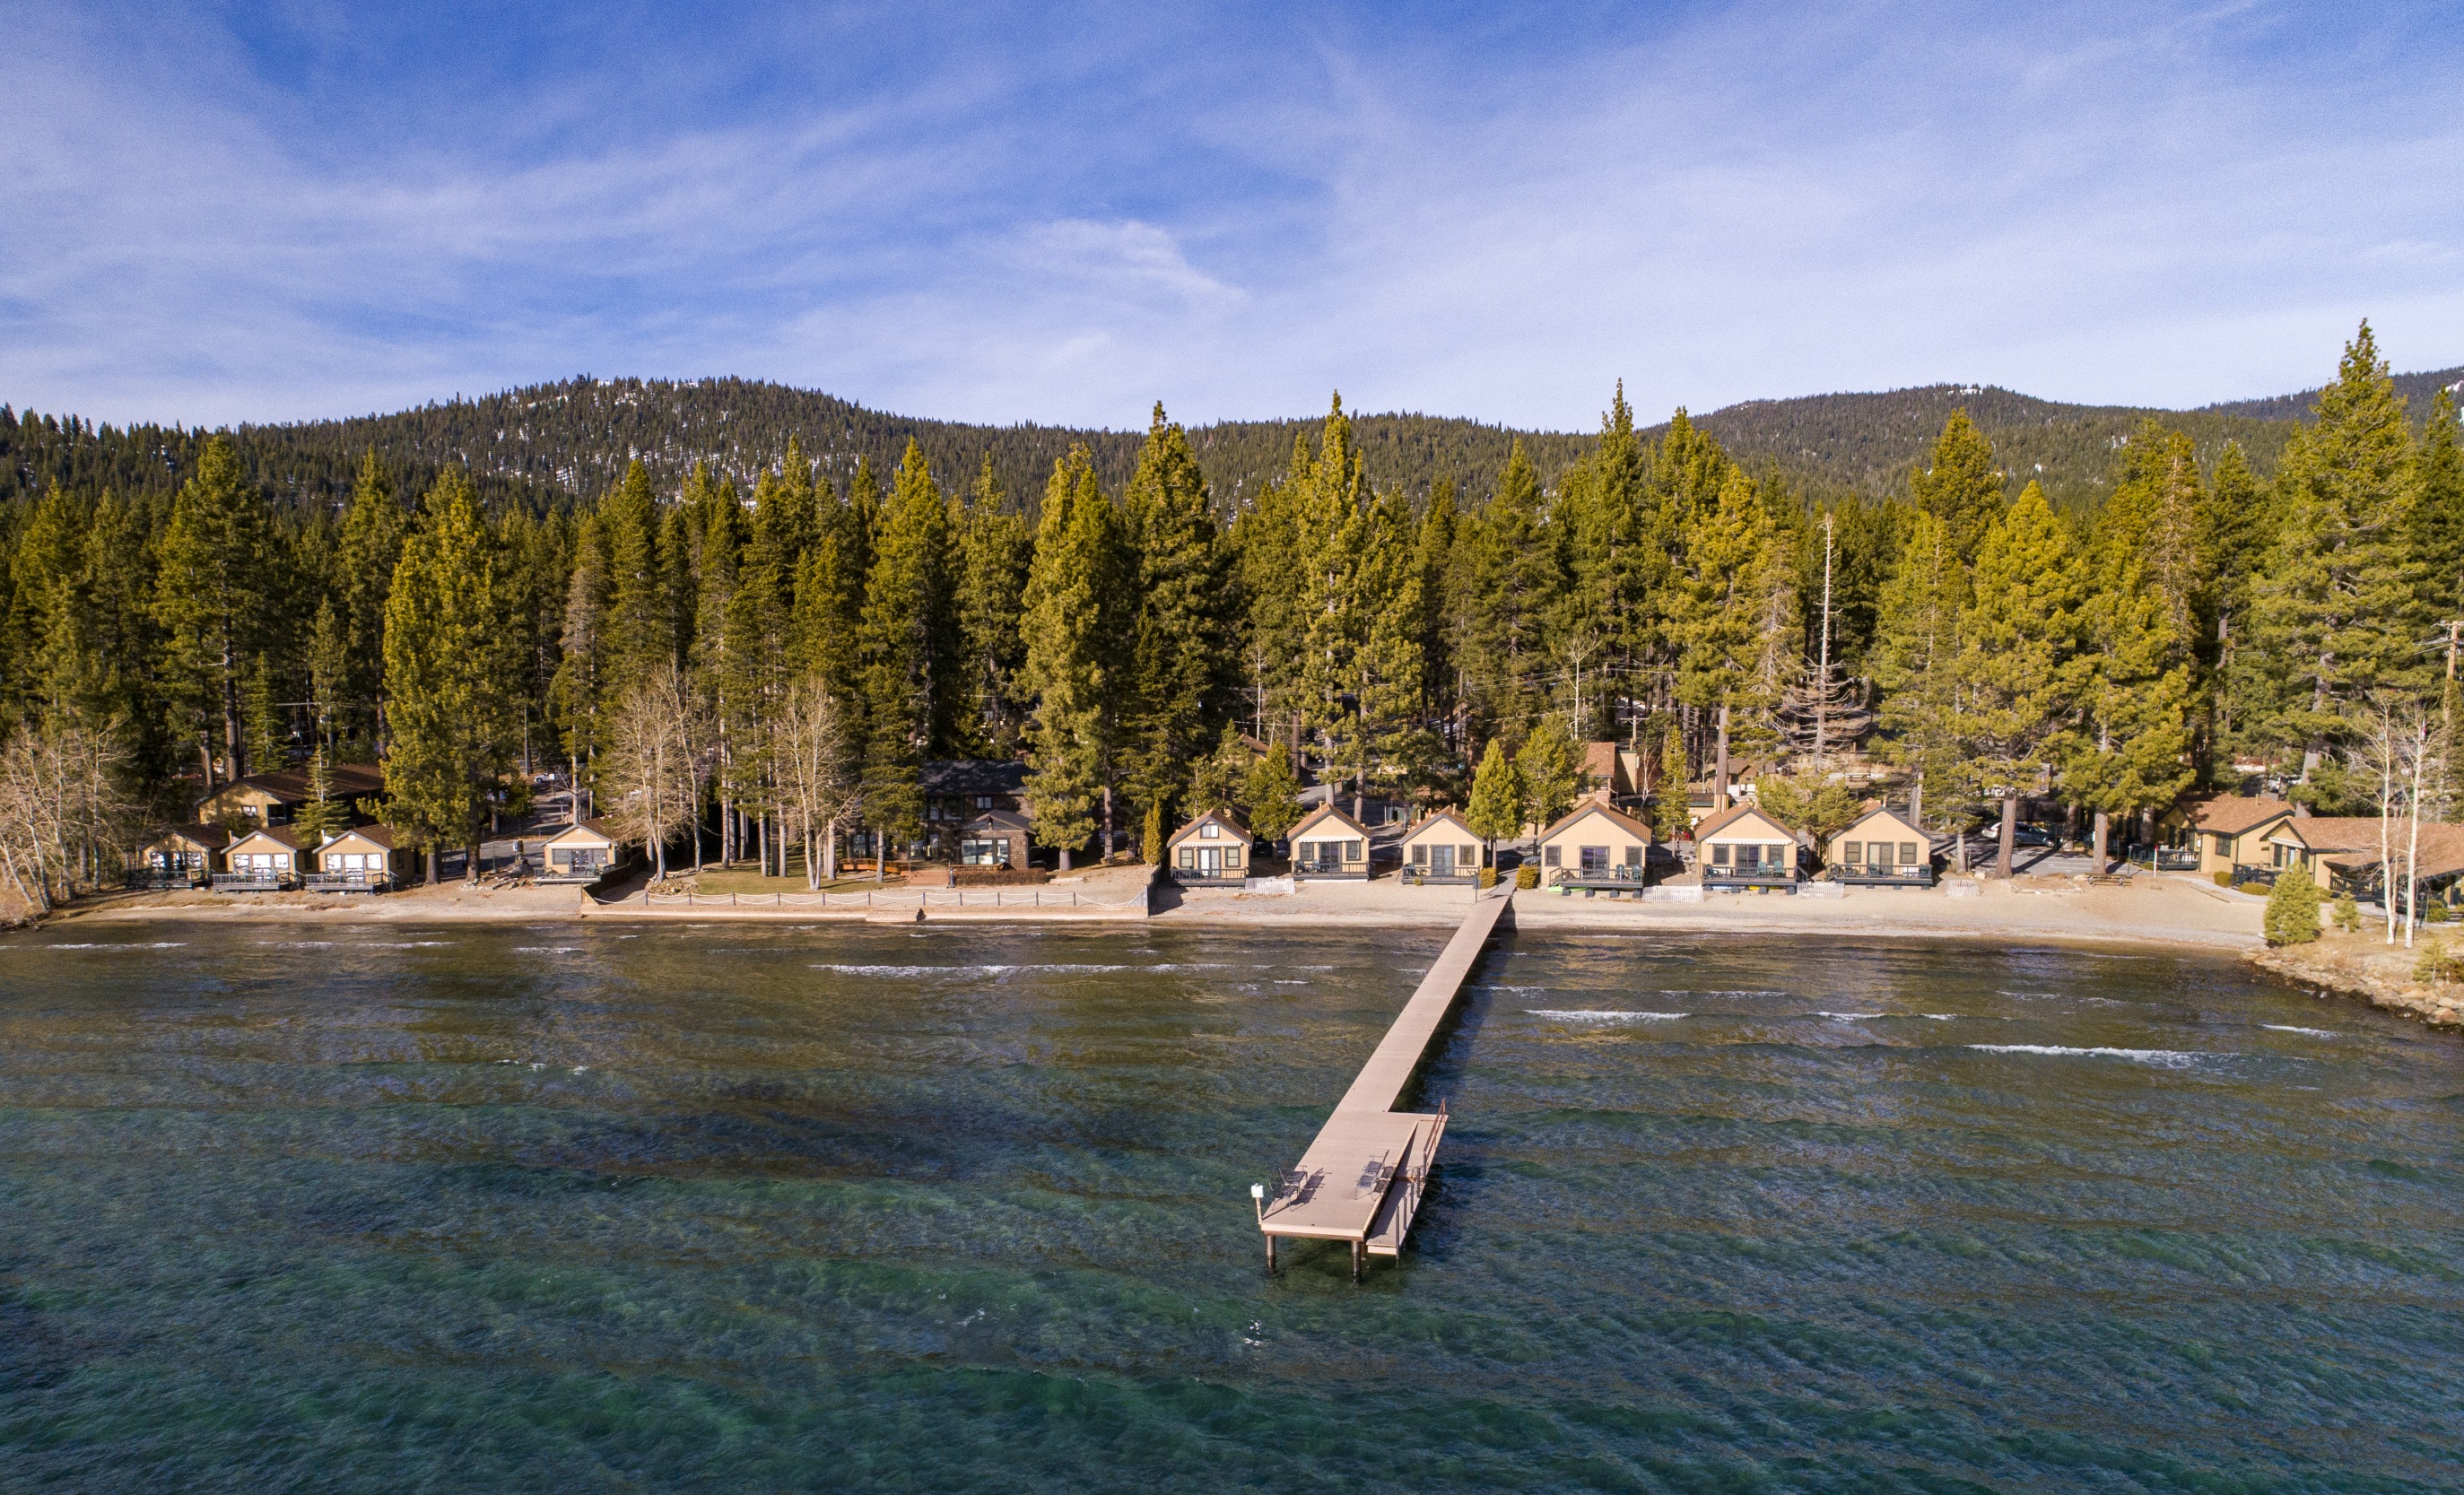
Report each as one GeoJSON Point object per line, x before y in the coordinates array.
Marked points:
{"type": "Point", "coordinates": [212, 598]}
{"type": "Point", "coordinates": [998, 547]}
{"type": "Point", "coordinates": [1917, 650]}
{"type": "Point", "coordinates": [445, 671]}
{"type": "Point", "coordinates": [1181, 663]}
{"type": "Point", "coordinates": [370, 544]}
{"type": "Point", "coordinates": [1961, 487]}
{"type": "Point", "coordinates": [2341, 606]}
{"type": "Point", "coordinates": [1512, 584]}
{"type": "Point", "coordinates": [907, 648]}
{"type": "Point", "coordinates": [1069, 673]}
{"type": "Point", "coordinates": [2015, 639]}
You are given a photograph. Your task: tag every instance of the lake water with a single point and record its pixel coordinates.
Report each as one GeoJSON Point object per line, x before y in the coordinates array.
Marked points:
{"type": "Point", "coordinates": [757, 1208]}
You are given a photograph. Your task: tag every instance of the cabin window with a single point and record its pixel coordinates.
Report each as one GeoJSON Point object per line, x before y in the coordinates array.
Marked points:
{"type": "Point", "coordinates": [1719, 853]}
{"type": "Point", "coordinates": [2224, 845]}
{"type": "Point", "coordinates": [1634, 857]}
{"type": "Point", "coordinates": [1547, 856]}
{"type": "Point", "coordinates": [1207, 830]}
{"type": "Point", "coordinates": [1420, 856]}
{"type": "Point", "coordinates": [1231, 856]}
{"type": "Point", "coordinates": [1595, 860]}
{"type": "Point", "coordinates": [1188, 857]}
{"type": "Point", "coordinates": [1853, 853]}
{"type": "Point", "coordinates": [1749, 858]}
{"type": "Point", "coordinates": [984, 802]}
{"type": "Point", "coordinates": [1909, 853]}
{"type": "Point", "coordinates": [1468, 856]}
{"type": "Point", "coordinates": [983, 853]}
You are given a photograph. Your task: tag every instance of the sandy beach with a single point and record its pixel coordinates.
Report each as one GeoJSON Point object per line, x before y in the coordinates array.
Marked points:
{"type": "Point", "coordinates": [2170, 910]}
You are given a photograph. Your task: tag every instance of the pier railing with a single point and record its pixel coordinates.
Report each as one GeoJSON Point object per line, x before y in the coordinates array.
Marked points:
{"type": "Point", "coordinates": [897, 899]}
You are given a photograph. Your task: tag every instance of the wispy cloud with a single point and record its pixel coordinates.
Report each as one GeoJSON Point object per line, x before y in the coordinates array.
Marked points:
{"type": "Point", "coordinates": [1006, 215]}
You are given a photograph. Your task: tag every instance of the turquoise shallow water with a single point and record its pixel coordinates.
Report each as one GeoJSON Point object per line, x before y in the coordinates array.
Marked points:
{"type": "Point", "coordinates": [767, 1209]}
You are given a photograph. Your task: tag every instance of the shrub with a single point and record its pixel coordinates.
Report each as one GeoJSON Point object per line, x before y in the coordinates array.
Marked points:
{"type": "Point", "coordinates": [2224, 879]}
{"type": "Point", "coordinates": [2348, 914]}
{"type": "Point", "coordinates": [1527, 877]}
{"type": "Point", "coordinates": [2439, 964]}
{"type": "Point", "coordinates": [2292, 909]}
{"type": "Point", "coordinates": [2435, 913]}
{"type": "Point", "coordinates": [1489, 877]}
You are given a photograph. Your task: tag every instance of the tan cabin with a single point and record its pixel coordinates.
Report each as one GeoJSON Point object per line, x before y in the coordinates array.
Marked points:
{"type": "Point", "coordinates": [1329, 844]}
{"type": "Point", "coordinates": [1594, 843]}
{"type": "Point", "coordinates": [1882, 848]}
{"type": "Point", "coordinates": [185, 856]}
{"type": "Point", "coordinates": [2229, 831]}
{"type": "Point", "coordinates": [1214, 849]}
{"type": "Point", "coordinates": [1442, 850]}
{"type": "Point", "coordinates": [1743, 846]}
{"type": "Point", "coordinates": [2342, 855]}
{"type": "Point", "coordinates": [275, 799]}
{"type": "Point", "coordinates": [265, 860]}
{"type": "Point", "coordinates": [363, 859]}
{"type": "Point", "coordinates": [582, 853]}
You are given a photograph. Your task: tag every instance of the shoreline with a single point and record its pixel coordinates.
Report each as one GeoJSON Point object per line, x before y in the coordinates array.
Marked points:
{"type": "Point", "coordinates": [2172, 914]}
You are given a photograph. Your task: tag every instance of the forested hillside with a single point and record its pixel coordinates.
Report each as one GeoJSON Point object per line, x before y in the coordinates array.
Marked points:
{"type": "Point", "coordinates": [574, 439]}
{"type": "Point", "coordinates": [761, 649]}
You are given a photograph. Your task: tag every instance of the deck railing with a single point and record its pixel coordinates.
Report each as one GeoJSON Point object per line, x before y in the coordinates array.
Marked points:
{"type": "Point", "coordinates": [250, 882]}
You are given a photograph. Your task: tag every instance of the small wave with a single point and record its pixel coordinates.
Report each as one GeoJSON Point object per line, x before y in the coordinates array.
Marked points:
{"type": "Point", "coordinates": [2287, 1027]}
{"type": "Point", "coordinates": [160, 944]}
{"type": "Point", "coordinates": [2167, 1058]}
{"type": "Point", "coordinates": [547, 950]}
{"type": "Point", "coordinates": [1852, 1017]}
{"type": "Point", "coordinates": [915, 969]}
{"type": "Point", "coordinates": [299, 944]}
{"type": "Point", "coordinates": [1938, 1017]}
{"type": "Point", "coordinates": [1586, 1015]}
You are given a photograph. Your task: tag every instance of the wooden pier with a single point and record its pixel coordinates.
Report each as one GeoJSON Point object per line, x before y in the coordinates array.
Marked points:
{"type": "Point", "coordinates": [1362, 1179]}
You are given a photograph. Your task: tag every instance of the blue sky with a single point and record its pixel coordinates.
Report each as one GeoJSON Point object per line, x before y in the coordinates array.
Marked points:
{"type": "Point", "coordinates": [217, 213]}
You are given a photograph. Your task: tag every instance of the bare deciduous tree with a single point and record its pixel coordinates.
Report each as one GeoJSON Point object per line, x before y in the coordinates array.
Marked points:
{"type": "Point", "coordinates": [60, 805]}
{"type": "Point", "coordinates": [651, 765]}
{"type": "Point", "coordinates": [815, 754]}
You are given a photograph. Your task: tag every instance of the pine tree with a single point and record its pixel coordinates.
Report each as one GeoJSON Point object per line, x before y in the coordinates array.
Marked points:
{"type": "Point", "coordinates": [445, 672]}
{"type": "Point", "coordinates": [2015, 639]}
{"type": "Point", "coordinates": [2341, 606]}
{"type": "Point", "coordinates": [2235, 531]}
{"type": "Point", "coordinates": [1917, 650]}
{"type": "Point", "coordinates": [2438, 513]}
{"type": "Point", "coordinates": [640, 624]}
{"type": "Point", "coordinates": [1499, 803]}
{"type": "Point", "coordinates": [998, 547]}
{"type": "Point", "coordinates": [260, 720]}
{"type": "Point", "coordinates": [1512, 584]}
{"type": "Point", "coordinates": [1551, 765]}
{"type": "Point", "coordinates": [1961, 488]}
{"type": "Point", "coordinates": [213, 597]}
{"type": "Point", "coordinates": [371, 546]}
{"type": "Point", "coordinates": [1672, 804]}
{"type": "Point", "coordinates": [1182, 663]}
{"type": "Point", "coordinates": [906, 647]}
{"type": "Point", "coordinates": [1733, 620]}
{"type": "Point", "coordinates": [1271, 794]}
{"type": "Point", "coordinates": [583, 685]}
{"type": "Point", "coordinates": [2292, 917]}
{"type": "Point", "coordinates": [1068, 658]}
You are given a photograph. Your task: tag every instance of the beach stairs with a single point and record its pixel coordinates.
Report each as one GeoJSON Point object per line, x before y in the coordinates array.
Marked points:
{"type": "Point", "coordinates": [1363, 1177]}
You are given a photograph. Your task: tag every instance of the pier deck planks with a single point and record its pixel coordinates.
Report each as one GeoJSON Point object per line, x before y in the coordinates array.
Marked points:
{"type": "Point", "coordinates": [1361, 1179]}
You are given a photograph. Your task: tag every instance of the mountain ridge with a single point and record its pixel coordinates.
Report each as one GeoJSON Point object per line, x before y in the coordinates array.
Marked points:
{"type": "Point", "coordinates": [570, 439]}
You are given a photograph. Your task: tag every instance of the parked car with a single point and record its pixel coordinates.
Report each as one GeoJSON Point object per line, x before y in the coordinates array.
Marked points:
{"type": "Point", "coordinates": [2032, 836]}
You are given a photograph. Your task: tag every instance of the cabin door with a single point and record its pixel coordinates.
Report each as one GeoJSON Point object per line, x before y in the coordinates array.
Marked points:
{"type": "Point", "coordinates": [1441, 861]}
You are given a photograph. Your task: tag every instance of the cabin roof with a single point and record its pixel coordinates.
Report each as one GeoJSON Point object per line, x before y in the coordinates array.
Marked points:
{"type": "Point", "coordinates": [289, 785]}
{"type": "Point", "coordinates": [593, 830]}
{"type": "Point", "coordinates": [1884, 812]}
{"type": "Point", "coordinates": [1734, 817]}
{"type": "Point", "coordinates": [1223, 817]}
{"type": "Point", "coordinates": [211, 838]}
{"type": "Point", "coordinates": [999, 819]}
{"type": "Point", "coordinates": [2232, 814]}
{"type": "Point", "coordinates": [2352, 842]}
{"type": "Point", "coordinates": [1435, 819]}
{"type": "Point", "coordinates": [1589, 807]}
{"type": "Point", "coordinates": [377, 836]}
{"type": "Point", "coordinates": [1321, 816]}
{"type": "Point", "coordinates": [949, 776]}
{"type": "Point", "coordinates": [282, 836]}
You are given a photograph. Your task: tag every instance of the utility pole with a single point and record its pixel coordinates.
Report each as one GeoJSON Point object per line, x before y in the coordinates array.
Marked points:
{"type": "Point", "coordinates": [1822, 682]}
